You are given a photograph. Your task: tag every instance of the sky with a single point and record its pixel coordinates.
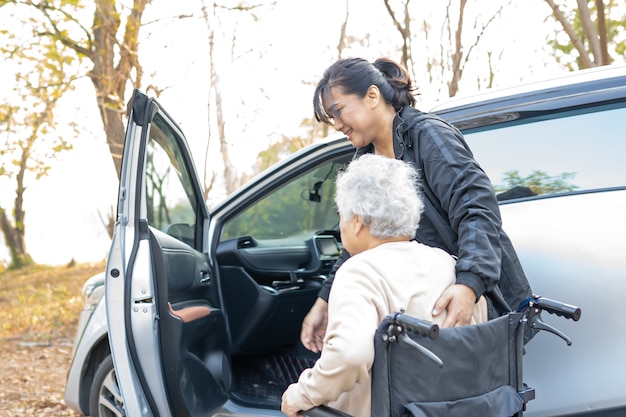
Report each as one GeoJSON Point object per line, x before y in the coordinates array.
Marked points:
{"type": "Point", "coordinates": [267, 89]}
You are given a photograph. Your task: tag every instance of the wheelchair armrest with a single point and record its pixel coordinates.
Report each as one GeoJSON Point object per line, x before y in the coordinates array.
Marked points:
{"type": "Point", "coordinates": [325, 411]}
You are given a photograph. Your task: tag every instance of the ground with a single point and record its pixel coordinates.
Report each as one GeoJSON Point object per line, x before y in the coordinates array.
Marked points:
{"type": "Point", "coordinates": [39, 309]}
{"type": "Point", "coordinates": [32, 378]}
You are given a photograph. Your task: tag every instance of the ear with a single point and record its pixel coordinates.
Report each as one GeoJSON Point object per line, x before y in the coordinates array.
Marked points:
{"type": "Point", "coordinates": [358, 226]}
{"type": "Point", "coordinates": [373, 95]}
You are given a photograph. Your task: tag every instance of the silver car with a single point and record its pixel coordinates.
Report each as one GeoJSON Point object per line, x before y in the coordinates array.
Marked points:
{"type": "Point", "coordinates": [202, 310]}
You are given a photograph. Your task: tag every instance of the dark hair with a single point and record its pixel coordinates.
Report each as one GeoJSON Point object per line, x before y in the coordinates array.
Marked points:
{"type": "Point", "coordinates": [356, 75]}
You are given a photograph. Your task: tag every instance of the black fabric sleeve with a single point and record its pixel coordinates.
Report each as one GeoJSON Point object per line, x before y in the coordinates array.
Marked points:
{"type": "Point", "coordinates": [465, 195]}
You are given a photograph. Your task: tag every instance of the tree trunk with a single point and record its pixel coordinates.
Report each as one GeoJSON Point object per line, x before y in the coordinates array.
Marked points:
{"type": "Point", "coordinates": [229, 173]}
{"type": "Point", "coordinates": [14, 234]}
{"type": "Point", "coordinates": [109, 79]}
{"type": "Point", "coordinates": [404, 28]}
{"type": "Point", "coordinates": [590, 31]}
{"type": "Point", "coordinates": [14, 240]}
{"type": "Point", "coordinates": [604, 43]}
{"type": "Point", "coordinates": [457, 70]}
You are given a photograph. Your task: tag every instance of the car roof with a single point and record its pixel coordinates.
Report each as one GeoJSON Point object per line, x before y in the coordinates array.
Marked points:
{"type": "Point", "coordinates": [600, 85]}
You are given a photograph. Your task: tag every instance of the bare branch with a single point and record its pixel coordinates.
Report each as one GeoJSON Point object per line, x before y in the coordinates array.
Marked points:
{"type": "Point", "coordinates": [45, 9]}
{"type": "Point", "coordinates": [604, 52]}
{"type": "Point", "coordinates": [590, 31]}
{"type": "Point", "coordinates": [482, 32]}
{"type": "Point", "coordinates": [342, 33]}
{"type": "Point", "coordinates": [405, 32]}
{"type": "Point", "coordinates": [458, 52]}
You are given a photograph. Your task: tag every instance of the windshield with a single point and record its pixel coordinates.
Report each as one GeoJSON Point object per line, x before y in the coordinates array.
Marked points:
{"type": "Point", "coordinates": [301, 206]}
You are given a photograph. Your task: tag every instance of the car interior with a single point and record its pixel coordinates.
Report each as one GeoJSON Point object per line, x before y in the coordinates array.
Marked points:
{"type": "Point", "coordinates": [273, 258]}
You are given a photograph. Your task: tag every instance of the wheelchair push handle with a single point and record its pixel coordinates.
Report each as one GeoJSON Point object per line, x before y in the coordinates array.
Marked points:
{"type": "Point", "coordinates": [552, 306]}
{"type": "Point", "coordinates": [556, 307]}
{"type": "Point", "coordinates": [419, 326]}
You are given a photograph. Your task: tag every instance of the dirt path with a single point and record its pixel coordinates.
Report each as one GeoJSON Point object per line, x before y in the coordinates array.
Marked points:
{"type": "Point", "coordinates": [32, 379]}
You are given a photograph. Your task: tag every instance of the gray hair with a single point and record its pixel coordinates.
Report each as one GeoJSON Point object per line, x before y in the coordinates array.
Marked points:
{"type": "Point", "coordinates": [383, 193]}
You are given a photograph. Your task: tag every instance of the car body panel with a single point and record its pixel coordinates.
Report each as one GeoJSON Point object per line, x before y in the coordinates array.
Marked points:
{"type": "Point", "coordinates": [91, 331]}
{"type": "Point", "coordinates": [575, 261]}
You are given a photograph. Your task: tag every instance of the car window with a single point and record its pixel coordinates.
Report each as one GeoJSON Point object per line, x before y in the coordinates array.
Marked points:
{"type": "Point", "coordinates": [575, 152]}
{"type": "Point", "coordinates": [303, 205]}
{"type": "Point", "coordinates": [170, 197]}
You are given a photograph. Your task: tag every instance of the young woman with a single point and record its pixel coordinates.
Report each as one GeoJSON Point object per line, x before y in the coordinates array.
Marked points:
{"type": "Point", "coordinates": [373, 105]}
{"type": "Point", "coordinates": [379, 209]}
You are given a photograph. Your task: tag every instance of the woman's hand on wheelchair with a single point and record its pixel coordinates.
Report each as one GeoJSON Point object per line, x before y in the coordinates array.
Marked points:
{"type": "Point", "coordinates": [459, 301]}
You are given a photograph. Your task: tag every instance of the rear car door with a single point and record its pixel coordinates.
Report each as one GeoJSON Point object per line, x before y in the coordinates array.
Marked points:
{"type": "Point", "coordinates": [167, 329]}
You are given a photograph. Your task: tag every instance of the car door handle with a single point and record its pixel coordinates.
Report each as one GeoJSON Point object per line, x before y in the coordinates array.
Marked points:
{"type": "Point", "coordinates": [205, 277]}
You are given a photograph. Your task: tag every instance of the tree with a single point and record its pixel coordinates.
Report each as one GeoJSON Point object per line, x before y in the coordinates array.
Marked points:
{"type": "Point", "coordinates": [219, 16]}
{"type": "Point", "coordinates": [311, 128]}
{"type": "Point", "coordinates": [28, 129]}
{"type": "Point", "coordinates": [539, 182]}
{"type": "Point", "coordinates": [110, 54]}
{"type": "Point", "coordinates": [403, 25]}
{"type": "Point", "coordinates": [593, 32]}
{"type": "Point", "coordinates": [290, 144]}
{"type": "Point", "coordinates": [209, 15]}
{"type": "Point", "coordinates": [461, 53]}
{"type": "Point", "coordinates": [341, 46]}
{"type": "Point", "coordinates": [115, 64]}
{"type": "Point", "coordinates": [106, 54]}
{"type": "Point", "coordinates": [454, 49]}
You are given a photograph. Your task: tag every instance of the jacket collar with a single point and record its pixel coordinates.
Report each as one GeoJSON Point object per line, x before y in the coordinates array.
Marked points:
{"type": "Point", "coordinates": [401, 141]}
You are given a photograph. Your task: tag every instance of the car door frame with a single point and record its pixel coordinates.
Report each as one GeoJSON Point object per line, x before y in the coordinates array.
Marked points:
{"type": "Point", "coordinates": [134, 308]}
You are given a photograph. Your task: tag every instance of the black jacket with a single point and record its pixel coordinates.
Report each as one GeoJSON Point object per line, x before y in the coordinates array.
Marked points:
{"type": "Point", "coordinates": [461, 213]}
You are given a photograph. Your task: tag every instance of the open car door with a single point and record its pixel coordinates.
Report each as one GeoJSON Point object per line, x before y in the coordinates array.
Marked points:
{"type": "Point", "coordinates": [167, 330]}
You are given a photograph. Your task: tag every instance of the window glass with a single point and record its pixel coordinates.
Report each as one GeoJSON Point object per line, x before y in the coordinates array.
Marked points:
{"type": "Point", "coordinates": [577, 152]}
{"type": "Point", "coordinates": [301, 206]}
{"type": "Point", "coordinates": [170, 196]}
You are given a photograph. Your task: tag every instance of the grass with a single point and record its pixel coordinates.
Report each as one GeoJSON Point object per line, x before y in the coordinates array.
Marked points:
{"type": "Point", "coordinates": [42, 303]}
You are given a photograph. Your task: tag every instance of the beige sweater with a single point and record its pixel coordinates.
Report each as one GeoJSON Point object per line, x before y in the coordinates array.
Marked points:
{"type": "Point", "coordinates": [367, 287]}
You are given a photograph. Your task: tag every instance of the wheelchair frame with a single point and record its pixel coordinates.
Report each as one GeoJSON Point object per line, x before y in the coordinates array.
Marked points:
{"type": "Point", "coordinates": [469, 370]}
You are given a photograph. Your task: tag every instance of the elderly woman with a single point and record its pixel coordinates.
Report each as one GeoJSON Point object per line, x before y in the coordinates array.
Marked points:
{"type": "Point", "coordinates": [379, 211]}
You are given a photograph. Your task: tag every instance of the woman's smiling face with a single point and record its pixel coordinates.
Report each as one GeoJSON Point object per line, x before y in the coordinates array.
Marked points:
{"type": "Point", "coordinates": [352, 115]}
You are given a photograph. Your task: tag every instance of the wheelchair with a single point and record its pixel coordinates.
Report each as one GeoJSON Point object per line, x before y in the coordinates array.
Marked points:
{"type": "Point", "coordinates": [420, 370]}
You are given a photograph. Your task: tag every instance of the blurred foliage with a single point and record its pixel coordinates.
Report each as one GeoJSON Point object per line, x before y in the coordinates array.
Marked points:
{"type": "Point", "coordinates": [95, 39]}
{"type": "Point", "coordinates": [280, 150]}
{"type": "Point", "coordinates": [574, 39]}
{"type": "Point", "coordinates": [301, 206]}
{"type": "Point", "coordinates": [28, 127]}
{"type": "Point", "coordinates": [42, 303]}
{"type": "Point", "coordinates": [287, 145]}
{"type": "Point", "coordinates": [539, 182]}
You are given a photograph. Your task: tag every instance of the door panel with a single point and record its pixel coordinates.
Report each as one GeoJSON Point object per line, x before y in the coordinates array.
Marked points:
{"type": "Point", "coordinates": [192, 330]}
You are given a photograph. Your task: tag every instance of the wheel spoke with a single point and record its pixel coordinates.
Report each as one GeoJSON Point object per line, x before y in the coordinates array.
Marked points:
{"type": "Point", "coordinates": [110, 402]}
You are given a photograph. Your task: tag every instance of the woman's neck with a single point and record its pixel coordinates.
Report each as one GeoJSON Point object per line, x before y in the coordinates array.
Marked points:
{"type": "Point", "coordinates": [383, 145]}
